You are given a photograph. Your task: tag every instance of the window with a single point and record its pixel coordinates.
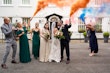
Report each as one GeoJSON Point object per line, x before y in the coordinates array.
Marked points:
{"type": "Point", "coordinates": [109, 25]}
{"type": "Point", "coordinates": [25, 1]}
{"type": "Point", "coordinates": [25, 19]}
{"type": "Point", "coordinates": [81, 26]}
{"type": "Point", "coordinates": [10, 19]}
{"type": "Point", "coordinates": [98, 25]}
{"type": "Point", "coordinates": [80, 21]}
{"type": "Point", "coordinates": [98, 2]}
{"type": "Point", "coordinates": [7, 1]}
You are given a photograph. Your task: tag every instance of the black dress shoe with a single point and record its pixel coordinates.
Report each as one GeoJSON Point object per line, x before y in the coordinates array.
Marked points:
{"type": "Point", "coordinates": [14, 62]}
{"type": "Point", "coordinates": [4, 66]}
{"type": "Point", "coordinates": [67, 62]}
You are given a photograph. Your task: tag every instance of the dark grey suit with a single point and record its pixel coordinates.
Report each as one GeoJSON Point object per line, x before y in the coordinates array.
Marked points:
{"type": "Point", "coordinates": [10, 41]}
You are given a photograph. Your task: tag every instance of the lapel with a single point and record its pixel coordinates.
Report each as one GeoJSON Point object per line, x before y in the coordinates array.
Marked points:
{"type": "Point", "coordinates": [6, 26]}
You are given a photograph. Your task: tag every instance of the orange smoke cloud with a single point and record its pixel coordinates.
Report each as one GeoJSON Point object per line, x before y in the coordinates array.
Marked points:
{"type": "Point", "coordinates": [43, 3]}
{"type": "Point", "coordinates": [62, 3]}
{"type": "Point", "coordinates": [78, 4]}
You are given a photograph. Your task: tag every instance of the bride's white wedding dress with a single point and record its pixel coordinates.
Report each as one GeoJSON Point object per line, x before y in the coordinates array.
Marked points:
{"type": "Point", "coordinates": [55, 51]}
{"type": "Point", "coordinates": [55, 54]}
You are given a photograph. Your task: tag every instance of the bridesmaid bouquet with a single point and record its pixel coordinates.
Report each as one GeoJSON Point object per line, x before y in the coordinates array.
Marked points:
{"type": "Point", "coordinates": [59, 35]}
{"type": "Point", "coordinates": [47, 35]}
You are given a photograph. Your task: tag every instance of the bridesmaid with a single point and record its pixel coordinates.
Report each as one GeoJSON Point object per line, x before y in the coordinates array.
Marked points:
{"type": "Point", "coordinates": [44, 44]}
{"type": "Point", "coordinates": [93, 40]}
{"type": "Point", "coordinates": [25, 26]}
{"type": "Point", "coordinates": [35, 41]}
{"type": "Point", "coordinates": [24, 52]}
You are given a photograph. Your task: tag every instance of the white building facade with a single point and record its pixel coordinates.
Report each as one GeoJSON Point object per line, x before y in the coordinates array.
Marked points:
{"type": "Point", "coordinates": [23, 10]}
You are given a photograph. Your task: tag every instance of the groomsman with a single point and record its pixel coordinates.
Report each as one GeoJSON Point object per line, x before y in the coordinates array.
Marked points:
{"type": "Point", "coordinates": [7, 29]}
{"type": "Point", "coordinates": [65, 42]}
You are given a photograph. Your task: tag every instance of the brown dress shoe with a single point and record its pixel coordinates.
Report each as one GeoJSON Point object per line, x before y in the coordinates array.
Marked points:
{"type": "Point", "coordinates": [4, 66]}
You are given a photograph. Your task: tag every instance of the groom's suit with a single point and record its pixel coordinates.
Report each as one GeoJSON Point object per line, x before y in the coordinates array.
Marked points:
{"type": "Point", "coordinates": [65, 42]}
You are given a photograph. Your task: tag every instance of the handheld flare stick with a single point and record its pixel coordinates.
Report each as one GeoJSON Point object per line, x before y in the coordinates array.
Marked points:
{"type": "Point", "coordinates": [70, 21]}
{"type": "Point", "coordinates": [31, 18]}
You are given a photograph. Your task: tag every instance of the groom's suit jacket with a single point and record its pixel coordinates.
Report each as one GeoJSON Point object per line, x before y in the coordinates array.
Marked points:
{"type": "Point", "coordinates": [66, 33]}
{"type": "Point", "coordinates": [7, 30]}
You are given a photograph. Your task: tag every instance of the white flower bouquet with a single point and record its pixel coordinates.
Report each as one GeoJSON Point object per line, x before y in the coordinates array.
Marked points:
{"type": "Point", "coordinates": [59, 35]}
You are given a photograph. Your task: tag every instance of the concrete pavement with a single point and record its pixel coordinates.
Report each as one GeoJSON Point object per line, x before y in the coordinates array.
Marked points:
{"type": "Point", "coordinates": [80, 61]}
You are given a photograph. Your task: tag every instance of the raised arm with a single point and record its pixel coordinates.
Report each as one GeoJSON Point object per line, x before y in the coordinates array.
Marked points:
{"type": "Point", "coordinates": [28, 24]}
{"type": "Point", "coordinates": [69, 23]}
{"type": "Point", "coordinates": [68, 26]}
{"type": "Point", "coordinates": [31, 33]}
{"type": "Point", "coordinates": [90, 27]}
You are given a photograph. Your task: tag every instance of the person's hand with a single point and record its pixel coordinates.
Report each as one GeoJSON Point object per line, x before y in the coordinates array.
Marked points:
{"type": "Point", "coordinates": [31, 18]}
{"type": "Point", "coordinates": [17, 38]}
{"type": "Point", "coordinates": [13, 28]}
{"type": "Point", "coordinates": [85, 25]}
{"type": "Point", "coordinates": [22, 33]}
{"type": "Point", "coordinates": [17, 28]}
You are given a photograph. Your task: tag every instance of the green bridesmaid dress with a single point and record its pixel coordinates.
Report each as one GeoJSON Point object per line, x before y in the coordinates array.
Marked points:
{"type": "Point", "coordinates": [35, 44]}
{"type": "Point", "coordinates": [24, 52]}
{"type": "Point", "coordinates": [25, 29]}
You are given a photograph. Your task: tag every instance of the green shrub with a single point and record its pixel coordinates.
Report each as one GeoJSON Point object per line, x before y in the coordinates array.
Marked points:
{"type": "Point", "coordinates": [84, 34]}
{"type": "Point", "coordinates": [106, 34]}
{"type": "Point", "coordinates": [81, 30]}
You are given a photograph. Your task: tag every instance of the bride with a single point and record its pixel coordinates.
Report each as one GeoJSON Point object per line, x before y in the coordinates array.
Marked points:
{"type": "Point", "coordinates": [55, 46]}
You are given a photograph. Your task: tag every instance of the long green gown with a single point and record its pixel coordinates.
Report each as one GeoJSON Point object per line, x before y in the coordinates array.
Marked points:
{"type": "Point", "coordinates": [24, 52]}
{"type": "Point", "coordinates": [25, 29]}
{"type": "Point", "coordinates": [35, 44]}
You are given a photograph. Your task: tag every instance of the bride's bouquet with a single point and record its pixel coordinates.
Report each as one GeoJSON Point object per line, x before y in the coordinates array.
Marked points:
{"type": "Point", "coordinates": [59, 35]}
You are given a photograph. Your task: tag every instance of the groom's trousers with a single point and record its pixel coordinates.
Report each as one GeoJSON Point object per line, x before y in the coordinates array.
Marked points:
{"type": "Point", "coordinates": [10, 45]}
{"type": "Point", "coordinates": [65, 45]}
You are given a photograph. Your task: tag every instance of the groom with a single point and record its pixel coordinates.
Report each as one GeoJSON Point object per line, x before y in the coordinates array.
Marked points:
{"type": "Point", "coordinates": [65, 42]}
